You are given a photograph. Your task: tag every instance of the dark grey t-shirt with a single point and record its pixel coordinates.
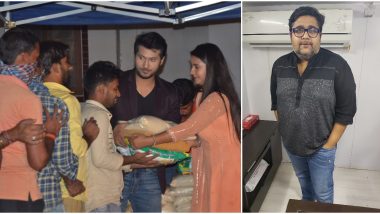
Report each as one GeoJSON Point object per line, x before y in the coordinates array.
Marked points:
{"type": "Point", "coordinates": [309, 105]}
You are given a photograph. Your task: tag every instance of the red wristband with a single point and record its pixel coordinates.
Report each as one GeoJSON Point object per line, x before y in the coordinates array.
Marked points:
{"type": "Point", "coordinates": [50, 136]}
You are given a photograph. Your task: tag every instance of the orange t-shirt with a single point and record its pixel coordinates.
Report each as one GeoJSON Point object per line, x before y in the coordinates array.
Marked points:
{"type": "Point", "coordinates": [17, 102]}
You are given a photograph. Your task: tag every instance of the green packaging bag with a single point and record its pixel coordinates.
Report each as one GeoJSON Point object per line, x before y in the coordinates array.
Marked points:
{"type": "Point", "coordinates": [184, 166]}
{"type": "Point", "coordinates": [163, 156]}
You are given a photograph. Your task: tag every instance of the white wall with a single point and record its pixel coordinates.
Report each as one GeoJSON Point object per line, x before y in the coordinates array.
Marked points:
{"type": "Point", "coordinates": [102, 46]}
{"type": "Point", "coordinates": [360, 145]}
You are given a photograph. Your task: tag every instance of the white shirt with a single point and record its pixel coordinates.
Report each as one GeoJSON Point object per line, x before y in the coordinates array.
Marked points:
{"type": "Point", "coordinates": [104, 177]}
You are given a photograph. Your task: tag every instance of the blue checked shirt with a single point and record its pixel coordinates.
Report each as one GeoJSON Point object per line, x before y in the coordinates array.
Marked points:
{"type": "Point", "coordinates": [63, 161]}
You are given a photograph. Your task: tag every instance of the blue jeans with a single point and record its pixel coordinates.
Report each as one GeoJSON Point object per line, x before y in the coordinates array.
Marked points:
{"type": "Point", "coordinates": [315, 174]}
{"type": "Point", "coordinates": [108, 208]}
{"type": "Point", "coordinates": [142, 189]}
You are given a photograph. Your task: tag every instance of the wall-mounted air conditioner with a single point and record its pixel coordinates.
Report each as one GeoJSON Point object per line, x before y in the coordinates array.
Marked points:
{"type": "Point", "coordinates": [270, 28]}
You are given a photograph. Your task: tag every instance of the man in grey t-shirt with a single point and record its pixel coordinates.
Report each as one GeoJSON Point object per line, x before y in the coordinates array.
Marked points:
{"type": "Point", "coordinates": [313, 97]}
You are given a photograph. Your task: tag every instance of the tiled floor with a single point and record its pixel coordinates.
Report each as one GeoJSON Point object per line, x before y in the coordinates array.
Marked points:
{"type": "Point", "coordinates": [352, 187]}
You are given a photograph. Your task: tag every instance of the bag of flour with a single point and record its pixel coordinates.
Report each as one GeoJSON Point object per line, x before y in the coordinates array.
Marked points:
{"type": "Point", "coordinates": [167, 153]}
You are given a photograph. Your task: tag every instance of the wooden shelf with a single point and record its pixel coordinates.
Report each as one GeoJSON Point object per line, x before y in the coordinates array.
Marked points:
{"type": "Point", "coordinates": [262, 142]}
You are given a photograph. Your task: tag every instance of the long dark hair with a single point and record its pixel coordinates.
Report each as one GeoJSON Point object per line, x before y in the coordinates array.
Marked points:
{"type": "Point", "coordinates": [218, 79]}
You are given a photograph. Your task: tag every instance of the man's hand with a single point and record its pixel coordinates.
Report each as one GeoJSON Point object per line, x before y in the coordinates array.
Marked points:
{"type": "Point", "coordinates": [90, 130]}
{"type": "Point", "coordinates": [28, 132]}
{"type": "Point", "coordinates": [143, 161]}
{"type": "Point", "coordinates": [140, 141]}
{"type": "Point", "coordinates": [143, 158]}
{"type": "Point", "coordinates": [119, 134]}
{"type": "Point", "coordinates": [53, 123]}
{"type": "Point", "coordinates": [74, 187]}
{"type": "Point", "coordinates": [151, 164]}
{"type": "Point", "coordinates": [335, 135]}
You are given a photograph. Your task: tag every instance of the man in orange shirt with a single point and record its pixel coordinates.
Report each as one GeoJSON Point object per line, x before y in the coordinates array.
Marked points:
{"type": "Point", "coordinates": [25, 131]}
{"type": "Point", "coordinates": [19, 190]}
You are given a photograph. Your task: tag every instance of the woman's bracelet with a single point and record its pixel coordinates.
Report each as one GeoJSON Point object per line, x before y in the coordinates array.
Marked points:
{"type": "Point", "coordinates": [199, 141]}
{"type": "Point", "coordinates": [172, 136]}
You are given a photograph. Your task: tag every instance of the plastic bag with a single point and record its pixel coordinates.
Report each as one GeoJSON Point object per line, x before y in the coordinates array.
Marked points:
{"type": "Point", "coordinates": [165, 157]}
{"type": "Point", "coordinates": [147, 125]}
{"type": "Point", "coordinates": [150, 125]}
{"type": "Point", "coordinates": [184, 167]}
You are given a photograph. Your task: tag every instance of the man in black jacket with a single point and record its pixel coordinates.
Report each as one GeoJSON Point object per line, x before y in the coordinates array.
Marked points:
{"type": "Point", "coordinates": [143, 92]}
{"type": "Point", "coordinates": [313, 96]}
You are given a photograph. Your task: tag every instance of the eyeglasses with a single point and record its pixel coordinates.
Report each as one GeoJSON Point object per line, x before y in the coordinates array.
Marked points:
{"type": "Point", "coordinates": [312, 32]}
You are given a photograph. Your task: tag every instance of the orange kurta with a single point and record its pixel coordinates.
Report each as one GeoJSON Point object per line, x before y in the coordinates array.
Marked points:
{"type": "Point", "coordinates": [216, 163]}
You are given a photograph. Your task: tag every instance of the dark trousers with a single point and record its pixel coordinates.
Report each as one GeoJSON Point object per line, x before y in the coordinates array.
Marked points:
{"type": "Point", "coordinates": [21, 206]}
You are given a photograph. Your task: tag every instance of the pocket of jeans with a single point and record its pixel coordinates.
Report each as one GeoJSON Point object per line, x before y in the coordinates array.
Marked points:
{"type": "Point", "coordinates": [329, 149]}
{"type": "Point", "coordinates": [327, 153]}
{"type": "Point", "coordinates": [325, 157]}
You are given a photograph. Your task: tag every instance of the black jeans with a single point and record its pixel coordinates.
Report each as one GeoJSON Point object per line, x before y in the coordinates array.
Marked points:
{"type": "Point", "coordinates": [21, 206]}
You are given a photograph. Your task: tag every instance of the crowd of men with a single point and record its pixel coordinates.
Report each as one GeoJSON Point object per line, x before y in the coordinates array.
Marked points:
{"type": "Point", "coordinates": [57, 156]}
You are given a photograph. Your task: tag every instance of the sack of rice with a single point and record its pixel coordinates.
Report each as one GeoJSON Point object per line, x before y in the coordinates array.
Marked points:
{"type": "Point", "coordinates": [185, 208]}
{"type": "Point", "coordinates": [182, 201]}
{"type": "Point", "coordinates": [167, 198]}
{"type": "Point", "coordinates": [182, 181]}
{"type": "Point", "coordinates": [181, 191]}
{"type": "Point", "coordinates": [169, 153]}
{"type": "Point", "coordinates": [167, 207]}
{"type": "Point", "coordinates": [167, 202]}
{"type": "Point", "coordinates": [150, 125]}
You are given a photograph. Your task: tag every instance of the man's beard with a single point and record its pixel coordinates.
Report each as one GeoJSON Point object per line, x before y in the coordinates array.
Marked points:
{"type": "Point", "coordinates": [305, 56]}
{"type": "Point", "coordinates": [111, 103]}
{"type": "Point", "coordinates": [144, 77]}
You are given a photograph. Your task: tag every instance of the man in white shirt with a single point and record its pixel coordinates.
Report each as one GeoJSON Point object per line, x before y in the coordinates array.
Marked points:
{"type": "Point", "coordinates": [105, 165]}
